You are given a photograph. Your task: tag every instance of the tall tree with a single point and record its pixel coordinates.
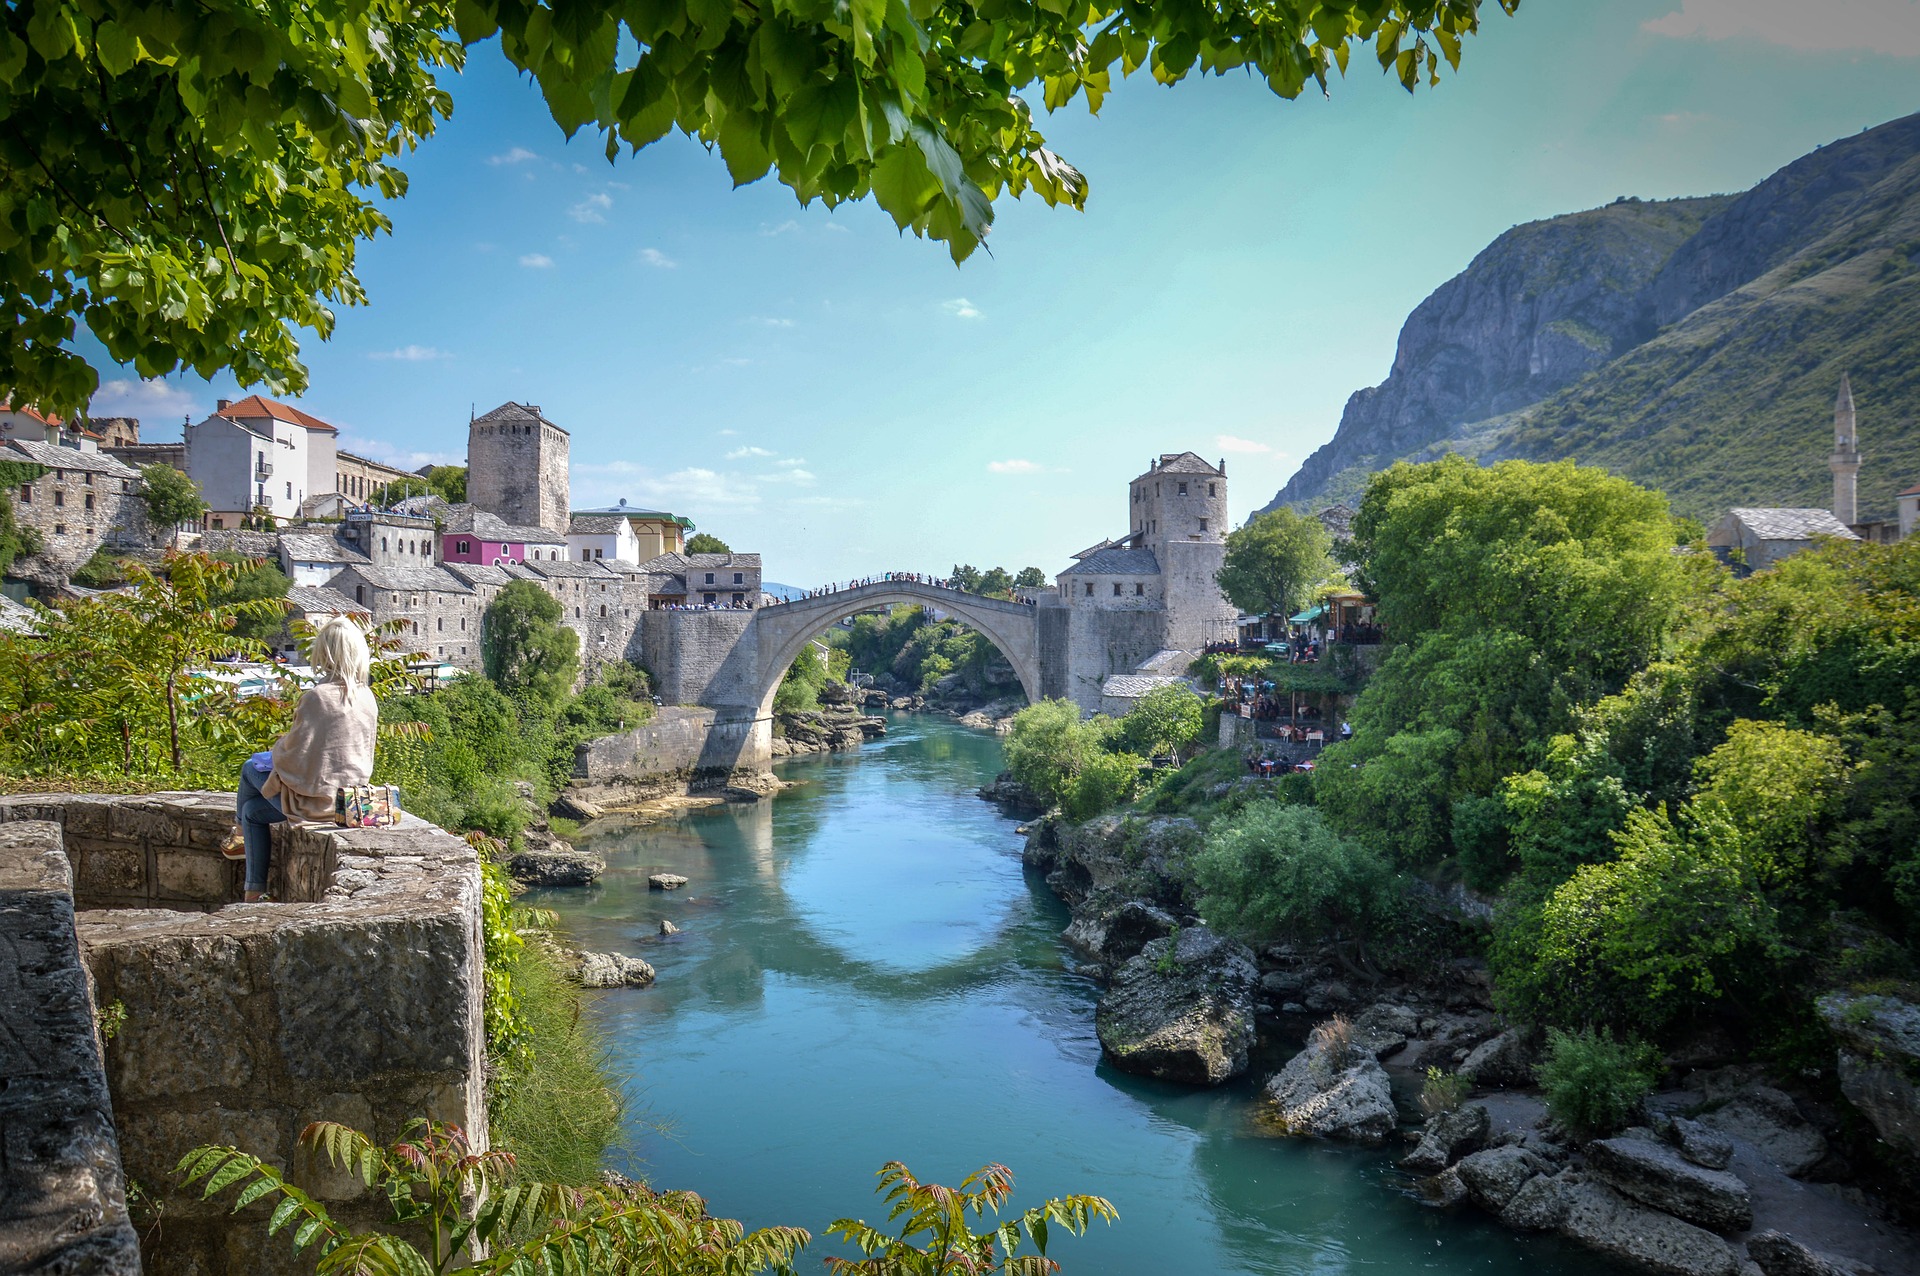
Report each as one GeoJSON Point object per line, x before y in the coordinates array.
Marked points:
{"type": "Point", "coordinates": [524, 647]}
{"type": "Point", "coordinates": [1030, 578]}
{"type": "Point", "coordinates": [707, 543]}
{"type": "Point", "coordinates": [1274, 562]}
{"type": "Point", "coordinates": [193, 184]}
{"type": "Point", "coordinates": [171, 498]}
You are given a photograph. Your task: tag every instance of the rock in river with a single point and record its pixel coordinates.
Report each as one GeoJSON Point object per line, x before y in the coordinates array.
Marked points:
{"type": "Point", "coordinates": [1657, 1175]}
{"type": "Point", "coordinates": [1182, 1009]}
{"type": "Point", "coordinates": [556, 864]}
{"type": "Point", "coordinates": [666, 881]}
{"type": "Point", "coordinates": [611, 970]}
{"type": "Point", "coordinates": [1335, 1090]}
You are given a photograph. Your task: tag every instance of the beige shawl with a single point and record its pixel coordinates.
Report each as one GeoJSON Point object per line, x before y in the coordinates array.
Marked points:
{"type": "Point", "coordinates": [329, 745]}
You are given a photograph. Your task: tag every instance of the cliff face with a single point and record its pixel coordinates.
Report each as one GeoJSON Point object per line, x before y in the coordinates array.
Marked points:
{"type": "Point", "coordinates": [1693, 345]}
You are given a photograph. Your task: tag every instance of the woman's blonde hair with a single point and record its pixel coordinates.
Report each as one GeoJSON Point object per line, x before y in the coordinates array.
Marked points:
{"type": "Point", "coordinates": [340, 651]}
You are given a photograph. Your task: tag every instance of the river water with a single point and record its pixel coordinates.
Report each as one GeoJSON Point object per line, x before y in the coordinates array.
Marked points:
{"type": "Point", "coordinates": [864, 973]}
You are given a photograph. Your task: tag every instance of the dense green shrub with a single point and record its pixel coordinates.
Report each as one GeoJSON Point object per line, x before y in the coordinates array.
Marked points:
{"type": "Point", "coordinates": [525, 648]}
{"type": "Point", "coordinates": [1165, 721]}
{"type": "Point", "coordinates": [559, 1111]}
{"type": "Point", "coordinates": [1277, 871]}
{"type": "Point", "coordinates": [1593, 1083]}
{"type": "Point", "coordinates": [1104, 781]}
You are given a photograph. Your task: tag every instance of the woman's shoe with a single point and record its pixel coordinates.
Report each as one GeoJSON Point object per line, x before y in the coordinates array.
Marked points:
{"type": "Point", "coordinates": [235, 847]}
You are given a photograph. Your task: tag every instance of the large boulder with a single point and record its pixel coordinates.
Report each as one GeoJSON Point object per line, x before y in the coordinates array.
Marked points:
{"type": "Point", "coordinates": [1114, 935]}
{"type": "Point", "coordinates": [1501, 1061]}
{"type": "Point", "coordinates": [1495, 1176]}
{"type": "Point", "coordinates": [1181, 1009]}
{"type": "Point", "coordinates": [1701, 1144]}
{"type": "Point", "coordinates": [1767, 1120]}
{"type": "Point", "coordinates": [1879, 1060]}
{"type": "Point", "coordinates": [554, 863]}
{"type": "Point", "coordinates": [1384, 1028]}
{"type": "Point", "coordinates": [1602, 1219]}
{"type": "Point", "coordinates": [1335, 1090]}
{"type": "Point", "coordinates": [1657, 1175]}
{"type": "Point", "coordinates": [1778, 1254]}
{"type": "Point", "coordinates": [1447, 1137]}
{"type": "Point", "coordinates": [1539, 1206]}
{"type": "Point", "coordinates": [610, 970]}
{"type": "Point", "coordinates": [571, 806]}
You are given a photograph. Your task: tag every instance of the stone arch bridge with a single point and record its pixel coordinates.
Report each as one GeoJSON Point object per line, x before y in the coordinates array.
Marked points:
{"type": "Point", "coordinates": [731, 662]}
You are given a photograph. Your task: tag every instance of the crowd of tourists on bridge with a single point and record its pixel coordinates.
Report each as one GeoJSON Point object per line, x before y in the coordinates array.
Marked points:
{"type": "Point", "coordinates": [885, 578]}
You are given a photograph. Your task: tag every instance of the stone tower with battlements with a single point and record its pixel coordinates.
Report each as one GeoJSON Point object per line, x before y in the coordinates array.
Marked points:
{"type": "Point", "coordinates": [517, 466]}
{"type": "Point", "coordinates": [1845, 461]}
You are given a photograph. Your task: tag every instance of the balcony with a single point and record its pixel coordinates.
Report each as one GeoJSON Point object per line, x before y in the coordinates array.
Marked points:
{"type": "Point", "coordinates": [262, 470]}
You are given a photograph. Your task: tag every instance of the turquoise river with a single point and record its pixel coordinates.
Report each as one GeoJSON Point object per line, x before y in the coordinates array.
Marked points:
{"type": "Point", "coordinates": [864, 972]}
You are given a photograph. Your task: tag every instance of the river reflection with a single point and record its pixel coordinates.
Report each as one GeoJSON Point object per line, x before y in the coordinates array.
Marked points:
{"type": "Point", "coordinates": [865, 973]}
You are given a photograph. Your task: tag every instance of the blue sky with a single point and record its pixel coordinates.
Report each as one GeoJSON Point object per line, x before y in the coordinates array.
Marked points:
{"type": "Point", "coordinates": [816, 387]}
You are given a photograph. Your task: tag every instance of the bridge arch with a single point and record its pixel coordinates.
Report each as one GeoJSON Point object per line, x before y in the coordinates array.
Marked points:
{"type": "Point", "coordinates": [784, 629]}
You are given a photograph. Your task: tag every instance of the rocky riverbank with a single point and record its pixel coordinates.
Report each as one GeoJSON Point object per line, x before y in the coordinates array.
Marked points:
{"type": "Point", "coordinates": [1730, 1172]}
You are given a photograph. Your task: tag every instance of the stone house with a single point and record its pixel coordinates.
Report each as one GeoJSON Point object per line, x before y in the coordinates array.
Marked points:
{"type": "Point", "coordinates": [259, 454]}
{"type": "Point", "coordinates": [356, 478]}
{"type": "Point", "coordinates": [392, 540]}
{"type": "Point", "coordinates": [436, 611]}
{"type": "Point", "coordinates": [703, 580]}
{"type": "Point", "coordinates": [1128, 600]}
{"type": "Point", "coordinates": [517, 466]}
{"type": "Point", "coordinates": [312, 558]}
{"type": "Point", "coordinates": [1763, 537]}
{"type": "Point", "coordinates": [85, 499]}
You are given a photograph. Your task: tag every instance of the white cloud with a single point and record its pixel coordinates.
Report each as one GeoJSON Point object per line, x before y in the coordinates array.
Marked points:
{"type": "Point", "coordinates": [410, 354]}
{"type": "Point", "coordinates": [740, 453]}
{"type": "Point", "coordinates": [1016, 465]}
{"type": "Point", "coordinates": [781, 229]}
{"type": "Point", "coordinates": [682, 490]}
{"type": "Point", "coordinates": [1880, 26]}
{"type": "Point", "coordinates": [537, 261]}
{"type": "Point", "coordinates": [728, 432]}
{"type": "Point", "coordinates": [518, 155]}
{"type": "Point", "coordinates": [791, 462]}
{"type": "Point", "coordinates": [144, 399]}
{"type": "Point", "coordinates": [766, 322]}
{"type": "Point", "coordinates": [591, 209]}
{"type": "Point", "coordinates": [961, 308]}
{"type": "Point", "coordinates": [655, 258]}
{"type": "Point", "coordinates": [790, 475]}
{"type": "Point", "coordinates": [1229, 443]}
{"type": "Point", "coordinates": [400, 458]}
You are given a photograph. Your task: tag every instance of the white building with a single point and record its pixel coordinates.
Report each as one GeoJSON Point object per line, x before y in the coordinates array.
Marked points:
{"type": "Point", "coordinates": [593, 538]}
{"type": "Point", "coordinates": [259, 454]}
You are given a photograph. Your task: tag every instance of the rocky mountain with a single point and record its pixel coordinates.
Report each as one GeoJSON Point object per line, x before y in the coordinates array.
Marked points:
{"type": "Point", "coordinates": [1693, 345]}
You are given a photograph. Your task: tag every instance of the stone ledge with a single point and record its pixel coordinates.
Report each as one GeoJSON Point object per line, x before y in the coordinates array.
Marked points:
{"type": "Point", "coordinates": [359, 1001]}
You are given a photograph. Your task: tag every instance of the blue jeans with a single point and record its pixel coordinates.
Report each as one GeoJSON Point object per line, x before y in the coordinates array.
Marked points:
{"type": "Point", "coordinates": [255, 812]}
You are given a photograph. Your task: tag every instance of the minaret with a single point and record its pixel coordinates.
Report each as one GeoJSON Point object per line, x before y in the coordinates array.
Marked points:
{"type": "Point", "coordinates": [1845, 461]}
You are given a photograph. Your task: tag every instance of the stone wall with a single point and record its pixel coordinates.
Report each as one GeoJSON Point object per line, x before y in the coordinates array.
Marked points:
{"type": "Point", "coordinates": [1107, 642]}
{"type": "Point", "coordinates": [683, 749]}
{"type": "Point", "coordinates": [63, 1203]}
{"type": "Point", "coordinates": [698, 657]}
{"type": "Point", "coordinates": [356, 1000]}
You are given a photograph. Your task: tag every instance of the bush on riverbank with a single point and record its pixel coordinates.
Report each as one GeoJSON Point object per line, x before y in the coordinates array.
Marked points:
{"type": "Point", "coordinates": [557, 1108]}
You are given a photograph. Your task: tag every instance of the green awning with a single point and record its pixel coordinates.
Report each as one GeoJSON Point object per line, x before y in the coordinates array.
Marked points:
{"type": "Point", "coordinates": [1308, 616]}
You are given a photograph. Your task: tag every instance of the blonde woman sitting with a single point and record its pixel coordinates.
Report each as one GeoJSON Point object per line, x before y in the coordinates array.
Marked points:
{"type": "Point", "coordinates": [329, 746]}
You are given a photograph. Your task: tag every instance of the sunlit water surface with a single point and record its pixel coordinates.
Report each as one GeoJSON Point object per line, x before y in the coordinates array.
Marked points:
{"type": "Point", "coordinates": [864, 973]}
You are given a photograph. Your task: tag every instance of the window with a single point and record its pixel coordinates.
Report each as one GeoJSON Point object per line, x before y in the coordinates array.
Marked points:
{"type": "Point", "coordinates": [60, 499]}
{"type": "Point", "coordinates": [603, 611]}
{"type": "Point", "coordinates": [1116, 589]}
{"type": "Point", "coordinates": [89, 500]}
{"type": "Point", "coordinates": [1209, 489]}
{"type": "Point", "coordinates": [739, 578]}
{"type": "Point", "coordinates": [739, 598]}
{"type": "Point", "coordinates": [1203, 524]}
{"type": "Point", "coordinates": [59, 529]}
{"type": "Point", "coordinates": [1183, 489]}
{"type": "Point", "coordinates": [576, 613]}
{"type": "Point", "coordinates": [89, 478]}
{"type": "Point", "coordinates": [712, 598]}
{"type": "Point", "coordinates": [26, 493]}
{"type": "Point", "coordinates": [360, 594]}
{"type": "Point", "coordinates": [440, 625]}
{"type": "Point", "coordinates": [463, 627]}
{"type": "Point", "coordinates": [465, 547]}
{"type": "Point", "coordinates": [289, 489]}
{"type": "Point", "coordinates": [1089, 589]}
{"type": "Point", "coordinates": [709, 578]}
{"type": "Point", "coordinates": [1139, 589]}
{"type": "Point", "coordinates": [383, 544]}
{"type": "Point", "coordinates": [396, 600]}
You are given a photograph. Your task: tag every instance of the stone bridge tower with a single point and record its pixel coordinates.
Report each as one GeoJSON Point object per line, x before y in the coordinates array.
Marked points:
{"type": "Point", "coordinates": [517, 466]}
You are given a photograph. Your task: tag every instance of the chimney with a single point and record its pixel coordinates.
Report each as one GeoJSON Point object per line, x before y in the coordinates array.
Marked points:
{"type": "Point", "coordinates": [221, 405]}
{"type": "Point", "coordinates": [1845, 461]}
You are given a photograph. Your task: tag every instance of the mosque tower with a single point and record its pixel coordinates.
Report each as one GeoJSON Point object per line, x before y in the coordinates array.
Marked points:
{"type": "Point", "coordinates": [1845, 461]}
